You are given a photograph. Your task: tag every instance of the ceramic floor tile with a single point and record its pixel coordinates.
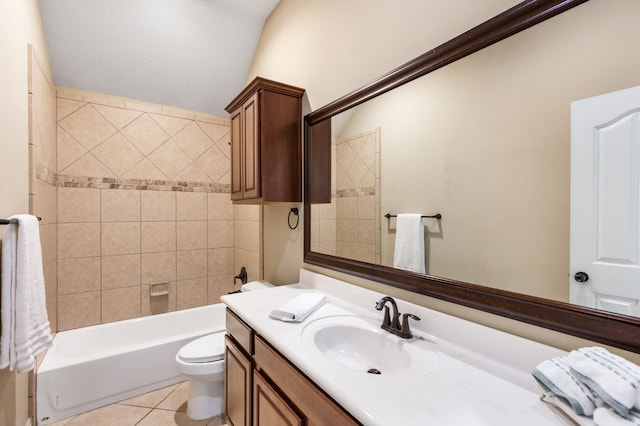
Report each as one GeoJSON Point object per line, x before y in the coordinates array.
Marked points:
{"type": "Point", "coordinates": [170, 418]}
{"type": "Point", "coordinates": [122, 415]}
{"type": "Point", "coordinates": [150, 399]}
{"type": "Point", "coordinates": [177, 400]}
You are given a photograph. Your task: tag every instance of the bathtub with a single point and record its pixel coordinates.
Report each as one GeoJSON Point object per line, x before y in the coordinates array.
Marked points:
{"type": "Point", "coordinates": [95, 366]}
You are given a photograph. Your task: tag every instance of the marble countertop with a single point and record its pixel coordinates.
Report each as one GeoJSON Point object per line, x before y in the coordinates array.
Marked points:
{"type": "Point", "coordinates": [482, 376]}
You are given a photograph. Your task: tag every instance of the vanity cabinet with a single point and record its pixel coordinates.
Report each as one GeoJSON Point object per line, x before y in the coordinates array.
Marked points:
{"type": "Point", "coordinates": [263, 388]}
{"type": "Point", "coordinates": [266, 143]}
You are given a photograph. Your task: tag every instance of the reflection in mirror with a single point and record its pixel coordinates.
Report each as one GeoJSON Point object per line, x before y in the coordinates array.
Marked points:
{"type": "Point", "coordinates": [485, 141]}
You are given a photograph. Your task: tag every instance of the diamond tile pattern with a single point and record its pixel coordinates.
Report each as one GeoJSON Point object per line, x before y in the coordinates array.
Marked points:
{"type": "Point", "coordinates": [97, 140]}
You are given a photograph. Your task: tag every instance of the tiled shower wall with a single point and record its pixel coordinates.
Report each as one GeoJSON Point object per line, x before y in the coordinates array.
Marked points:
{"type": "Point", "coordinates": [143, 197]}
{"type": "Point", "coordinates": [42, 167]}
{"type": "Point", "coordinates": [358, 197]}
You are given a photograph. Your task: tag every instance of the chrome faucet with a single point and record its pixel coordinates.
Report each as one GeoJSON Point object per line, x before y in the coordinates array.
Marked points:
{"type": "Point", "coordinates": [391, 323]}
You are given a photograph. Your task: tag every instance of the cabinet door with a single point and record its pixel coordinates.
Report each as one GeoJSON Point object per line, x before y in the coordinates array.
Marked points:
{"type": "Point", "coordinates": [236, 154]}
{"type": "Point", "coordinates": [251, 145]}
{"type": "Point", "coordinates": [238, 385]}
{"type": "Point", "coordinates": [269, 408]}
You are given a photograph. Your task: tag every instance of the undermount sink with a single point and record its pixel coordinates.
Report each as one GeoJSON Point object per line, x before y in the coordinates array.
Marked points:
{"type": "Point", "coordinates": [358, 343]}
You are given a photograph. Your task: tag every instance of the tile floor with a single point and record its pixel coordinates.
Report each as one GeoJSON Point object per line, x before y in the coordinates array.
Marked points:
{"type": "Point", "coordinates": [163, 407]}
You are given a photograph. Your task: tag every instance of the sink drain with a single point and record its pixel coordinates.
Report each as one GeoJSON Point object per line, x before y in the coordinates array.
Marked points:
{"type": "Point", "coordinates": [374, 371]}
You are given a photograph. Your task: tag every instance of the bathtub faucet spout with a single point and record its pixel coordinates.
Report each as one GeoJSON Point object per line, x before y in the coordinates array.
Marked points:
{"type": "Point", "coordinates": [242, 276]}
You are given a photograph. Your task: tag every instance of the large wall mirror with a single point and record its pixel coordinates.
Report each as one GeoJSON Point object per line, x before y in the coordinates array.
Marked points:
{"type": "Point", "coordinates": [477, 130]}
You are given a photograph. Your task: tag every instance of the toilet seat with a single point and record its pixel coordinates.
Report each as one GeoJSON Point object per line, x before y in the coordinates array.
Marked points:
{"type": "Point", "coordinates": [204, 349]}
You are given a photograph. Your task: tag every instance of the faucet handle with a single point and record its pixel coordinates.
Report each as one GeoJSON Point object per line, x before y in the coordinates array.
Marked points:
{"type": "Point", "coordinates": [405, 331]}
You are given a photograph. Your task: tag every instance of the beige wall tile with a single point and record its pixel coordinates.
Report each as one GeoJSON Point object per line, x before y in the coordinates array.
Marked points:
{"type": "Point", "coordinates": [45, 203]}
{"type": "Point", "coordinates": [87, 126]}
{"type": "Point", "coordinates": [145, 134]}
{"type": "Point", "coordinates": [78, 240]}
{"type": "Point", "coordinates": [191, 264]}
{"type": "Point", "coordinates": [158, 236]}
{"type": "Point", "coordinates": [247, 236]}
{"type": "Point", "coordinates": [192, 235]}
{"type": "Point", "coordinates": [158, 267]}
{"type": "Point", "coordinates": [219, 286]}
{"type": "Point", "coordinates": [219, 207]}
{"type": "Point", "coordinates": [366, 207]}
{"type": "Point", "coordinates": [78, 275]}
{"type": "Point", "coordinates": [51, 294]}
{"type": "Point", "coordinates": [120, 238]}
{"type": "Point", "coordinates": [192, 205]}
{"type": "Point", "coordinates": [170, 159]}
{"type": "Point", "coordinates": [220, 233]}
{"type": "Point", "coordinates": [158, 205]}
{"type": "Point", "coordinates": [120, 206]}
{"type": "Point", "coordinates": [121, 271]}
{"type": "Point", "coordinates": [49, 244]}
{"type": "Point", "coordinates": [191, 293]}
{"type": "Point", "coordinates": [78, 310]}
{"type": "Point", "coordinates": [120, 304]}
{"type": "Point", "coordinates": [220, 261]}
{"type": "Point", "coordinates": [78, 205]}
{"type": "Point", "coordinates": [246, 212]}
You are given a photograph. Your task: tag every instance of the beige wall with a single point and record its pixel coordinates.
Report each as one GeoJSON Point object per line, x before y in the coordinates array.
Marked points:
{"type": "Point", "coordinates": [20, 26]}
{"type": "Point", "coordinates": [339, 47]}
{"type": "Point", "coordinates": [331, 47]}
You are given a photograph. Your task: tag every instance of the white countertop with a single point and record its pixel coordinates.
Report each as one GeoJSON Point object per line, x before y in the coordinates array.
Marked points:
{"type": "Point", "coordinates": [482, 377]}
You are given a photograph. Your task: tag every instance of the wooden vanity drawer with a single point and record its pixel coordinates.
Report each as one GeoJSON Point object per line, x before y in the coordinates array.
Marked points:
{"type": "Point", "coordinates": [241, 332]}
{"type": "Point", "coordinates": [317, 407]}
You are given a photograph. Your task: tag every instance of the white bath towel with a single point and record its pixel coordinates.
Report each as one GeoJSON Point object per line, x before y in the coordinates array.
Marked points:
{"type": "Point", "coordinates": [298, 308]}
{"type": "Point", "coordinates": [409, 250]}
{"type": "Point", "coordinates": [611, 377]}
{"type": "Point", "coordinates": [604, 416]}
{"type": "Point", "coordinates": [555, 378]}
{"type": "Point", "coordinates": [25, 330]}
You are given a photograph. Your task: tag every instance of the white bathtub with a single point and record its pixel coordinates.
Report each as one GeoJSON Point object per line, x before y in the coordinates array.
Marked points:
{"type": "Point", "coordinates": [94, 366]}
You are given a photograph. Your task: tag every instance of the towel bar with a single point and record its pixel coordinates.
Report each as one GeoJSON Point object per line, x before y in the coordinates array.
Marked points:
{"type": "Point", "coordinates": [8, 221]}
{"type": "Point", "coordinates": [435, 216]}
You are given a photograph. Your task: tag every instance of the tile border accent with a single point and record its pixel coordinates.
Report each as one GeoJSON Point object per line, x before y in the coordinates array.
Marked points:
{"type": "Point", "coordinates": [67, 181]}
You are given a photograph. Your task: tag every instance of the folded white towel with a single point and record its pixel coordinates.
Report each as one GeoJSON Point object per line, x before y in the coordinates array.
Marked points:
{"type": "Point", "coordinates": [298, 308]}
{"type": "Point", "coordinates": [25, 330]}
{"type": "Point", "coordinates": [555, 378]}
{"type": "Point", "coordinates": [612, 378]}
{"type": "Point", "coordinates": [409, 249]}
{"type": "Point", "coordinates": [604, 416]}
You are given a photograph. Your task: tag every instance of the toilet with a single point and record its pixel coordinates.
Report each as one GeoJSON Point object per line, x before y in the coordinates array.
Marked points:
{"type": "Point", "coordinates": [201, 361]}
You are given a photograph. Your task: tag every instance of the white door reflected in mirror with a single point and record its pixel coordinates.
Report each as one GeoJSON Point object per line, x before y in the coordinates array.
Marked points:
{"type": "Point", "coordinates": [605, 202]}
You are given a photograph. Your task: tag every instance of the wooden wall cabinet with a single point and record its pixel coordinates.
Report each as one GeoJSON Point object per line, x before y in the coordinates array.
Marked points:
{"type": "Point", "coordinates": [277, 392]}
{"type": "Point", "coordinates": [266, 143]}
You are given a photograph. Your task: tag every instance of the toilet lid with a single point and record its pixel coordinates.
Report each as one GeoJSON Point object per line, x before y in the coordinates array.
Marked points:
{"type": "Point", "coordinates": [204, 349]}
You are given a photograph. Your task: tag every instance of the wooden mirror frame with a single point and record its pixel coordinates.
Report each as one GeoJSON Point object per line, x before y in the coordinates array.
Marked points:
{"type": "Point", "coordinates": [600, 326]}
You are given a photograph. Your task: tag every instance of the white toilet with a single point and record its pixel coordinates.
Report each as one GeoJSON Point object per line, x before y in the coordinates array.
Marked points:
{"type": "Point", "coordinates": [202, 362]}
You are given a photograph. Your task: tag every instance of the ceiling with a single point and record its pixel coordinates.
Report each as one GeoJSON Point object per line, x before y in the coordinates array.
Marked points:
{"type": "Point", "coordinates": [191, 54]}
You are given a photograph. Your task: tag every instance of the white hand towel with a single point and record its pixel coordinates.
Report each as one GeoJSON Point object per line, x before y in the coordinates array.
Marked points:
{"type": "Point", "coordinates": [298, 308]}
{"type": "Point", "coordinates": [555, 378]}
{"type": "Point", "coordinates": [612, 378]}
{"type": "Point", "coordinates": [409, 250]}
{"type": "Point", "coordinates": [25, 330]}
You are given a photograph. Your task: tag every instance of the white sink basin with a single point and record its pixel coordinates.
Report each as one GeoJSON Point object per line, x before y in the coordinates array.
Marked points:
{"type": "Point", "coordinates": [359, 344]}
